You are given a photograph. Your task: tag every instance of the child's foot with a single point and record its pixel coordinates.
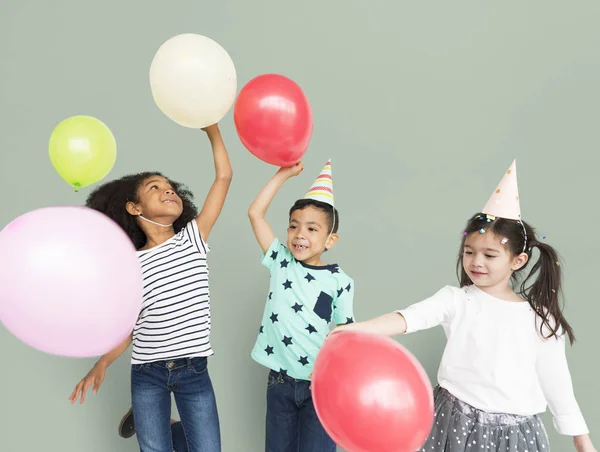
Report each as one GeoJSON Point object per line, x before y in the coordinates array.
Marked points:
{"type": "Point", "coordinates": [126, 426]}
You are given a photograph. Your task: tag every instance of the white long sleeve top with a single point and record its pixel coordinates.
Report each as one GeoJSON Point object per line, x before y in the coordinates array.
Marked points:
{"type": "Point", "coordinates": [495, 357]}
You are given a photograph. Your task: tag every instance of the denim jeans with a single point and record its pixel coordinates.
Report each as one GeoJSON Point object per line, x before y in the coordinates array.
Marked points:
{"type": "Point", "coordinates": [179, 440]}
{"type": "Point", "coordinates": [188, 380]}
{"type": "Point", "coordinates": [292, 422]}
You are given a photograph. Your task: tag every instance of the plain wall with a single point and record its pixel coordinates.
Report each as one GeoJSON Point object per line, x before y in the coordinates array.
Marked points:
{"type": "Point", "coordinates": [422, 106]}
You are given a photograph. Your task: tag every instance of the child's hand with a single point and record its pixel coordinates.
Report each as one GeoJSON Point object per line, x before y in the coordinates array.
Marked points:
{"type": "Point", "coordinates": [93, 379]}
{"type": "Point", "coordinates": [293, 170]}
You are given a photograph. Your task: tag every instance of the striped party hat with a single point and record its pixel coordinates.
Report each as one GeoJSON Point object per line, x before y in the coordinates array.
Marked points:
{"type": "Point", "coordinates": [322, 188]}
{"type": "Point", "coordinates": [504, 202]}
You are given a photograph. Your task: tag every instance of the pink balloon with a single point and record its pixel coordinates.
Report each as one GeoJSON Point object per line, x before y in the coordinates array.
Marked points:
{"type": "Point", "coordinates": [70, 281]}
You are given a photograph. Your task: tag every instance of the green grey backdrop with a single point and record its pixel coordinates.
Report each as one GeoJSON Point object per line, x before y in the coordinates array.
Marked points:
{"type": "Point", "coordinates": [421, 105]}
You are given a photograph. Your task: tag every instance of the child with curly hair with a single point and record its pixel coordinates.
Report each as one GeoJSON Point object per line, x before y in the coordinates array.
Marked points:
{"type": "Point", "coordinates": [171, 338]}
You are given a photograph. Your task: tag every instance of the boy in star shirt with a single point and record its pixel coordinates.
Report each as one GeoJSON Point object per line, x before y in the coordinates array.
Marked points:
{"type": "Point", "coordinates": [305, 297]}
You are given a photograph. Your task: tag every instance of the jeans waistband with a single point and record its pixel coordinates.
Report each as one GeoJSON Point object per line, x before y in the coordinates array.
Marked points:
{"type": "Point", "coordinates": [174, 364]}
{"type": "Point", "coordinates": [285, 376]}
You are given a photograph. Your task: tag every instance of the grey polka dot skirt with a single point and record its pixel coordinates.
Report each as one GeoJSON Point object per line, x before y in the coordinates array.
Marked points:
{"type": "Point", "coordinates": [458, 427]}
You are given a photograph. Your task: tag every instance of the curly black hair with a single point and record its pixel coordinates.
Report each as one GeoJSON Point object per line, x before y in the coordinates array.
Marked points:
{"type": "Point", "coordinates": [112, 197]}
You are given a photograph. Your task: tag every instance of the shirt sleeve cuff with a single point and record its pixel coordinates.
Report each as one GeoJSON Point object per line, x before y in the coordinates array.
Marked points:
{"type": "Point", "coordinates": [407, 318]}
{"type": "Point", "coordinates": [571, 425]}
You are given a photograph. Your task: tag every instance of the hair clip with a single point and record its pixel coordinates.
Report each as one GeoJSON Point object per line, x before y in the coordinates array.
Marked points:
{"type": "Point", "coordinates": [504, 240]}
{"type": "Point", "coordinates": [481, 231]}
{"type": "Point", "coordinates": [464, 233]}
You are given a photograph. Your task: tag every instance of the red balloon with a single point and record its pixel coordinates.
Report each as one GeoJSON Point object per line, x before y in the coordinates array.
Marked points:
{"type": "Point", "coordinates": [371, 394]}
{"type": "Point", "coordinates": [274, 119]}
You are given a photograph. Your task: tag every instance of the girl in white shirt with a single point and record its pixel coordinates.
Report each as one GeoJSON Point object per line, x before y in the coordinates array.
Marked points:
{"type": "Point", "coordinates": [504, 360]}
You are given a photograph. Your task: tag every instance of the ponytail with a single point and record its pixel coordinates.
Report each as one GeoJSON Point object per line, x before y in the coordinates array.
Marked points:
{"type": "Point", "coordinates": [542, 286]}
{"type": "Point", "coordinates": [544, 293]}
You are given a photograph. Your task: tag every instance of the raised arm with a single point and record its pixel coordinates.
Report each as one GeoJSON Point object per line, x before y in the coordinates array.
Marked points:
{"type": "Point", "coordinates": [215, 199]}
{"type": "Point", "coordinates": [258, 209]}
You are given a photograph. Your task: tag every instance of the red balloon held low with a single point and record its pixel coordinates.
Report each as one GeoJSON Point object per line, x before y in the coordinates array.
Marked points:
{"type": "Point", "coordinates": [273, 119]}
{"type": "Point", "coordinates": [371, 394]}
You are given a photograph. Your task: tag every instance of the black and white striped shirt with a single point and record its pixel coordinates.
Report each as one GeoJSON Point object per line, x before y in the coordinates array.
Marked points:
{"type": "Point", "coordinates": [175, 318]}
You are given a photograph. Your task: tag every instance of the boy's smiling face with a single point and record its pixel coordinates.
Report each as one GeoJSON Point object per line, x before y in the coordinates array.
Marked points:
{"type": "Point", "coordinates": [309, 235]}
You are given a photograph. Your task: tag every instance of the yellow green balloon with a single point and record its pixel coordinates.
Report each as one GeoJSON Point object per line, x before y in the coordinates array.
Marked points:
{"type": "Point", "coordinates": [82, 150]}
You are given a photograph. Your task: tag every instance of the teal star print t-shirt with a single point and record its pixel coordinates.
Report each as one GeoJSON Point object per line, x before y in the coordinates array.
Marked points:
{"type": "Point", "coordinates": [303, 300]}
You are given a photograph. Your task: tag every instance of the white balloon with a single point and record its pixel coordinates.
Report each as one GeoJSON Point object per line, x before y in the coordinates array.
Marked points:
{"type": "Point", "coordinates": [193, 80]}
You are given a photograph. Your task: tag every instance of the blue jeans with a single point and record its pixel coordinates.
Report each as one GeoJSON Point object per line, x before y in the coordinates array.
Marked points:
{"type": "Point", "coordinates": [188, 380]}
{"type": "Point", "coordinates": [292, 422]}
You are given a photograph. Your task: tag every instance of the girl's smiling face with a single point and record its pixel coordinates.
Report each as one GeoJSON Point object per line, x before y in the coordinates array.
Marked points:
{"type": "Point", "coordinates": [487, 261]}
{"type": "Point", "coordinates": [158, 200]}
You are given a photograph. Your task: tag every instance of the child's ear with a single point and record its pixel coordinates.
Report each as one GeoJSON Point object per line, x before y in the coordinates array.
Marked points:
{"type": "Point", "coordinates": [519, 261]}
{"type": "Point", "coordinates": [331, 241]}
{"type": "Point", "coordinates": [132, 209]}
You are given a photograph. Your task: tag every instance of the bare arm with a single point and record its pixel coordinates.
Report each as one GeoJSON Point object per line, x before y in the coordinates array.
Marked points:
{"type": "Point", "coordinates": [389, 324]}
{"type": "Point", "coordinates": [95, 376]}
{"type": "Point", "coordinates": [215, 199]}
{"type": "Point", "coordinates": [111, 357]}
{"type": "Point", "coordinates": [258, 209]}
{"type": "Point", "coordinates": [583, 443]}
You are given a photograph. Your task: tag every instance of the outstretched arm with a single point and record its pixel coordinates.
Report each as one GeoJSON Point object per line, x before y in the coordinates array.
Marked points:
{"type": "Point", "coordinates": [431, 312]}
{"type": "Point", "coordinates": [258, 209]}
{"type": "Point", "coordinates": [389, 324]}
{"type": "Point", "coordinates": [215, 198]}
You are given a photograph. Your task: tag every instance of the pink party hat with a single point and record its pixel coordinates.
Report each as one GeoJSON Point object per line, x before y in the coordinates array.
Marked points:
{"type": "Point", "coordinates": [504, 202]}
{"type": "Point", "coordinates": [322, 188]}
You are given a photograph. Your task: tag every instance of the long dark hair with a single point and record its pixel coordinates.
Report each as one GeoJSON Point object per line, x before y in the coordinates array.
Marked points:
{"type": "Point", "coordinates": [112, 197]}
{"type": "Point", "coordinates": [542, 287]}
